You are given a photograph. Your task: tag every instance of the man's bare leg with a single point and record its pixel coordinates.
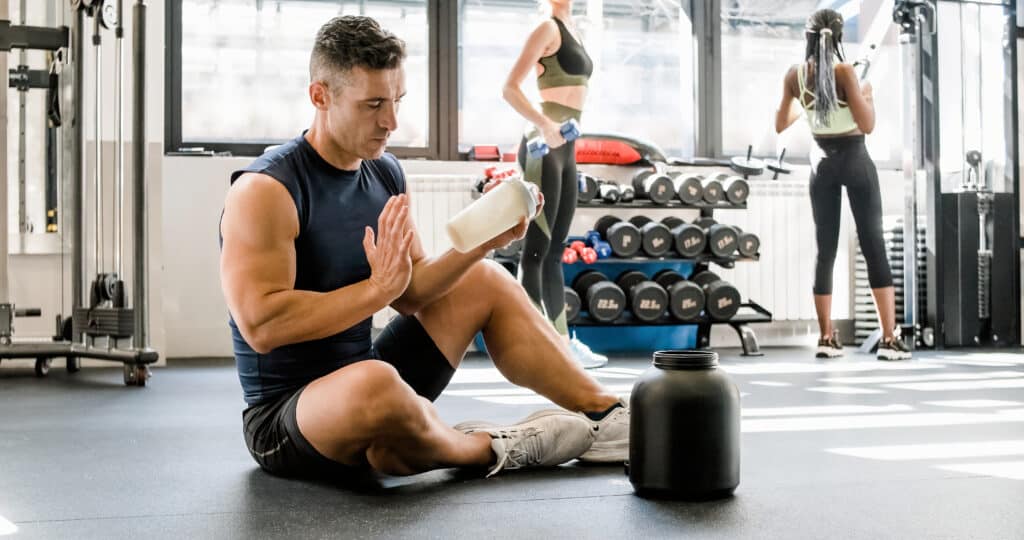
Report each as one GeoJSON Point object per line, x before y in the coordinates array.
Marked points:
{"type": "Point", "coordinates": [524, 345]}
{"type": "Point", "coordinates": [365, 413]}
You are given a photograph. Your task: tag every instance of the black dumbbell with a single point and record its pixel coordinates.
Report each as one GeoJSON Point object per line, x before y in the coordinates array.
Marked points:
{"type": "Point", "coordinates": [686, 298]}
{"type": "Point", "coordinates": [714, 191]}
{"type": "Point", "coordinates": [587, 188]}
{"type": "Point", "coordinates": [603, 299]}
{"type": "Point", "coordinates": [689, 188]}
{"type": "Point", "coordinates": [689, 239]}
{"type": "Point", "coordinates": [656, 239]}
{"type": "Point", "coordinates": [736, 189]}
{"type": "Point", "coordinates": [721, 299]}
{"type": "Point", "coordinates": [608, 192]}
{"type": "Point", "coordinates": [628, 193]}
{"type": "Point", "coordinates": [748, 244]}
{"type": "Point", "coordinates": [623, 236]}
{"type": "Point", "coordinates": [722, 240]}
{"type": "Point", "coordinates": [654, 185]}
{"type": "Point", "coordinates": [572, 305]}
{"type": "Point", "coordinates": [647, 300]}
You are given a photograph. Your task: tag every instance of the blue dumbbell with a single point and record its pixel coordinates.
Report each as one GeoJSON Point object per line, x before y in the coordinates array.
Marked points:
{"type": "Point", "coordinates": [538, 148]}
{"type": "Point", "coordinates": [592, 238]}
{"type": "Point", "coordinates": [603, 249]}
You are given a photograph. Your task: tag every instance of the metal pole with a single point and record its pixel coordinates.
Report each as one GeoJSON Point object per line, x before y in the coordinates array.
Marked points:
{"type": "Point", "coordinates": [140, 305]}
{"type": "Point", "coordinates": [4, 298]}
{"type": "Point", "coordinates": [98, 166]}
{"type": "Point", "coordinates": [119, 144]}
{"type": "Point", "coordinates": [77, 184]}
{"type": "Point", "coordinates": [22, 120]}
{"type": "Point", "coordinates": [911, 163]}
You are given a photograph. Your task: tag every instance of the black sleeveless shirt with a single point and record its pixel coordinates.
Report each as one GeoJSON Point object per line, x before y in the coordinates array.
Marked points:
{"type": "Point", "coordinates": [334, 206]}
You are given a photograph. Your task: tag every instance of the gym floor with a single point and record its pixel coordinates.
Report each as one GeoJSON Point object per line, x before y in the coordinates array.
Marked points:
{"type": "Point", "coordinates": [851, 448]}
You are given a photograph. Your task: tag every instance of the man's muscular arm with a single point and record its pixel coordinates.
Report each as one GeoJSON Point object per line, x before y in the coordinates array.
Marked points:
{"type": "Point", "coordinates": [257, 268]}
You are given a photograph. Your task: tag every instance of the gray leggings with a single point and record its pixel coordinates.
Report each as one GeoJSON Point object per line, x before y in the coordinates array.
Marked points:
{"type": "Point", "coordinates": [846, 163]}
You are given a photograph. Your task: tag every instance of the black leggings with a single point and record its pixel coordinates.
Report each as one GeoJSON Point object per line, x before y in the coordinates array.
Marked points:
{"type": "Point", "coordinates": [846, 163]}
{"type": "Point", "coordinates": [541, 263]}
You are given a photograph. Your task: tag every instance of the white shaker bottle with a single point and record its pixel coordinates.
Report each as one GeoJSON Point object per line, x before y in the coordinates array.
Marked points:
{"type": "Point", "coordinates": [496, 212]}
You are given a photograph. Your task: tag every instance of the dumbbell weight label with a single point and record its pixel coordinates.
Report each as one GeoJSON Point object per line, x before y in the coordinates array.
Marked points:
{"type": "Point", "coordinates": [693, 191]}
{"type": "Point", "coordinates": [725, 241]}
{"type": "Point", "coordinates": [650, 304]}
{"type": "Point", "coordinates": [691, 242]}
{"type": "Point", "coordinates": [688, 303]}
{"type": "Point", "coordinates": [627, 239]}
{"type": "Point", "coordinates": [657, 242]}
{"type": "Point", "coordinates": [661, 189]}
{"type": "Point", "coordinates": [607, 303]}
{"type": "Point", "coordinates": [724, 302]}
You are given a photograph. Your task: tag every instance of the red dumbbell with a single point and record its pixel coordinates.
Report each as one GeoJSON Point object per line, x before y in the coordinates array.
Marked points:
{"type": "Point", "coordinates": [588, 255]}
{"type": "Point", "coordinates": [578, 246]}
{"type": "Point", "coordinates": [569, 256]}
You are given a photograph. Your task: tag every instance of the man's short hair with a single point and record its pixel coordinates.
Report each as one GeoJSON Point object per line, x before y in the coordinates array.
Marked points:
{"type": "Point", "coordinates": [349, 41]}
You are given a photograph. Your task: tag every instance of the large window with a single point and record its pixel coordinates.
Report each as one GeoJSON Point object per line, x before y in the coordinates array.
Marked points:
{"type": "Point", "coordinates": [761, 39]}
{"type": "Point", "coordinates": [238, 71]}
{"type": "Point", "coordinates": [243, 72]}
{"type": "Point", "coordinates": [643, 78]}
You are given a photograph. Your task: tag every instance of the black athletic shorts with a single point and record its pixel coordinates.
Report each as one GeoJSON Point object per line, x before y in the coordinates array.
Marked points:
{"type": "Point", "coordinates": [272, 431]}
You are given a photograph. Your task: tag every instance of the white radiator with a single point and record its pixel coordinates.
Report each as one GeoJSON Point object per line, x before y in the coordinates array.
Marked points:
{"type": "Point", "coordinates": [435, 199]}
{"type": "Point", "coordinates": [779, 212]}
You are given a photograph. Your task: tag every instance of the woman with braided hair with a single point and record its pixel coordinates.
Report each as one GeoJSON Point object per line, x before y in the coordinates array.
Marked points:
{"type": "Point", "coordinates": [841, 112]}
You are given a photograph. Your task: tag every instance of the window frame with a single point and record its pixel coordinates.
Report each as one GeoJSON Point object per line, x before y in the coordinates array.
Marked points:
{"type": "Point", "coordinates": [442, 79]}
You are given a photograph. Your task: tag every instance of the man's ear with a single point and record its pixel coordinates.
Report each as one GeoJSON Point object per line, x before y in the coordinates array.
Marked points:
{"type": "Point", "coordinates": [319, 95]}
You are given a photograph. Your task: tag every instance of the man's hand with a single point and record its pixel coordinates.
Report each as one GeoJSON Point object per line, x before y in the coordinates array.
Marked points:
{"type": "Point", "coordinates": [517, 231]}
{"type": "Point", "coordinates": [388, 253]}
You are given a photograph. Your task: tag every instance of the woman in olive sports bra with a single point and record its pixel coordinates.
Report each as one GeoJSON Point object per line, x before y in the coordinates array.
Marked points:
{"type": "Point", "coordinates": [840, 112]}
{"type": "Point", "coordinates": [563, 68]}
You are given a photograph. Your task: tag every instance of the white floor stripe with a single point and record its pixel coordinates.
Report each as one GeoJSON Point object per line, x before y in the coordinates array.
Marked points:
{"type": "Point", "coordinates": [519, 391]}
{"type": "Point", "coordinates": [518, 400]}
{"type": "Point", "coordinates": [908, 452]}
{"type": "Point", "coordinates": [958, 385]}
{"type": "Point", "coordinates": [825, 367]}
{"type": "Point", "coordinates": [845, 390]}
{"type": "Point", "coordinates": [625, 371]}
{"type": "Point", "coordinates": [492, 375]}
{"type": "Point", "coordinates": [974, 403]}
{"type": "Point", "coordinates": [837, 423]}
{"type": "Point", "coordinates": [6, 527]}
{"type": "Point", "coordinates": [754, 412]}
{"type": "Point", "coordinates": [1013, 470]}
{"type": "Point", "coordinates": [925, 377]}
{"type": "Point", "coordinates": [771, 383]}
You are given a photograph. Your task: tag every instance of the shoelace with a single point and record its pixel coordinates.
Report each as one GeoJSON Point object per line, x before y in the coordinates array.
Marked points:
{"type": "Point", "coordinates": [524, 449]}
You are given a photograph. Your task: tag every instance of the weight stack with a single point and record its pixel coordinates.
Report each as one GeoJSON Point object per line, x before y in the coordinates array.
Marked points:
{"type": "Point", "coordinates": [865, 319]}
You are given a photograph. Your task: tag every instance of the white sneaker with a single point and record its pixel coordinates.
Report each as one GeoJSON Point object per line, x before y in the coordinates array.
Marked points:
{"type": "Point", "coordinates": [611, 442]}
{"type": "Point", "coordinates": [893, 350]}
{"type": "Point", "coordinates": [587, 358]}
{"type": "Point", "coordinates": [544, 441]}
{"type": "Point", "coordinates": [830, 347]}
{"type": "Point", "coordinates": [611, 433]}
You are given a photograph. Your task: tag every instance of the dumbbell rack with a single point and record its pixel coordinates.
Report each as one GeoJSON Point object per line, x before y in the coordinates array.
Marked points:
{"type": "Point", "coordinates": [752, 311]}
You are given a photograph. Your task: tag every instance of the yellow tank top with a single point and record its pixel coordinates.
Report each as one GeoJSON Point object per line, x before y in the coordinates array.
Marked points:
{"type": "Point", "coordinates": [841, 121]}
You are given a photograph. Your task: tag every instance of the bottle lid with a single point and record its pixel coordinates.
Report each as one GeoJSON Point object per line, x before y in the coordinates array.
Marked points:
{"type": "Point", "coordinates": [683, 359]}
{"type": "Point", "coordinates": [529, 193]}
